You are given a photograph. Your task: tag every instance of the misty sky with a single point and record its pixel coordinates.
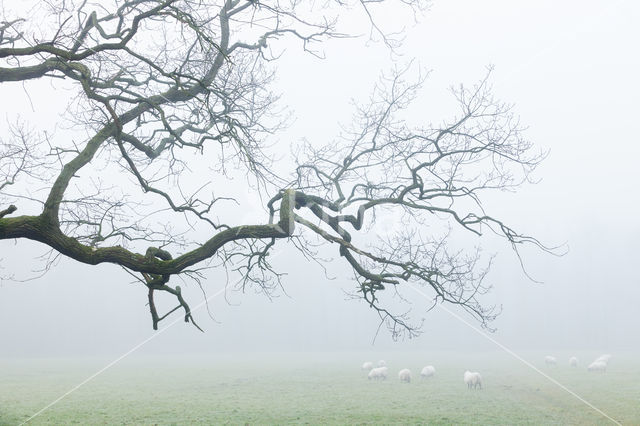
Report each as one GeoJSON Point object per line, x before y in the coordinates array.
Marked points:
{"type": "Point", "coordinates": [570, 69]}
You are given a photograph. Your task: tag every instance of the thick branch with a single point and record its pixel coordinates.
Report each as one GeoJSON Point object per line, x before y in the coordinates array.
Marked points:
{"type": "Point", "coordinates": [38, 228]}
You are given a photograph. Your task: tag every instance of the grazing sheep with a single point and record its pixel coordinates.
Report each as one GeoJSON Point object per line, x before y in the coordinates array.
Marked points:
{"type": "Point", "coordinates": [374, 374]}
{"type": "Point", "coordinates": [473, 379]}
{"type": "Point", "coordinates": [600, 366]}
{"type": "Point", "coordinates": [383, 372]}
{"type": "Point", "coordinates": [600, 363]}
{"type": "Point", "coordinates": [404, 375]}
{"type": "Point", "coordinates": [382, 363]}
{"type": "Point", "coordinates": [573, 361]}
{"type": "Point", "coordinates": [378, 373]}
{"type": "Point", "coordinates": [428, 371]}
{"type": "Point", "coordinates": [367, 365]}
{"type": "Point", "coordinates": [550, 360]}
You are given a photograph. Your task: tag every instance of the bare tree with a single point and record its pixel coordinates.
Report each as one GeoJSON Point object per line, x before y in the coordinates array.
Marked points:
{"type": "Point", "coordinates": [153, 85]}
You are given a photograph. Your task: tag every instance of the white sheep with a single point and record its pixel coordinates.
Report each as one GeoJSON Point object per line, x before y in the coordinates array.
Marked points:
{"type": "Point", "coordinates": [550, 360]}
{"type": "Point", "coordinates": [378, 373]}
{"type": "Point", "coordinates": [405, 375]}
{"type": "Point", "coordinates": [382, 363]}
{"type": "Point", "coordinates": [368, 365]}
{"type": "Point", "coordinates": [597, 366]}
{"type": "Point", "coordinates": [374, 374]}
{"type": "Point", "coordinates": [473, 379]}
{"type": "Point", "coordinates": [428, 371]}
{"type": "Point", "coordinates": [383, 372]}
{"type": "Point", "coordinates": [573, 361]}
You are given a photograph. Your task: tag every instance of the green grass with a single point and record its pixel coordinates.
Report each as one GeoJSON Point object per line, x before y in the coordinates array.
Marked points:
{"type": "Point", "coordinates": [314, 389]}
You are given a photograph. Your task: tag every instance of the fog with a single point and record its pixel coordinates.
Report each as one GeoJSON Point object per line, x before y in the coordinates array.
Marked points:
{"type": "Point", "coordinates": [570, 69]}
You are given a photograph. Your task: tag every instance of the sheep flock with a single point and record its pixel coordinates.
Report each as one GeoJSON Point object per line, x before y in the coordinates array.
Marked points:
{"type": "Point", "coordinates": [473, 380]}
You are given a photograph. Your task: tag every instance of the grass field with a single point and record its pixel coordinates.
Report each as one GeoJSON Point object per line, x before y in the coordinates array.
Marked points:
{"type": "Point", "coordinates": [315, 389]}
